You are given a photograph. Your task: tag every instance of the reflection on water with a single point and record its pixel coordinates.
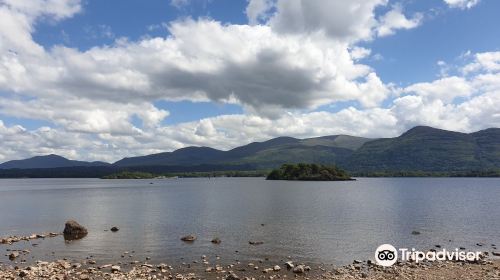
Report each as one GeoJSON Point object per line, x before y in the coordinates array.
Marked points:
{"type": "Point", "coordinates": [332, 222]}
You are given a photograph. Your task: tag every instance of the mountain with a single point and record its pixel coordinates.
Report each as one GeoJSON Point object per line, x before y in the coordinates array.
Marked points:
{"type": "Point", "coordinates": [420, 150]}
{"type": "Point", "coordinates": [49, 161]}
{"type": "Point", "coordinates": [184, 156]}
{"type": "Point", "coordinates": [429, 149]}
{"type": "Point", "coordinates": [257, 155]}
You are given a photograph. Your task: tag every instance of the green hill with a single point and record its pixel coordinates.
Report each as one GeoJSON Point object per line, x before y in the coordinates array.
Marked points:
{"type": "Point", "coordinates": [429, 149]}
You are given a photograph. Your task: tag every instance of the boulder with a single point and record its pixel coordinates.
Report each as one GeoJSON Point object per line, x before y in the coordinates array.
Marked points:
{"type": "Point", "coordinates": [114, 229]}
{"type": "Point", "coordinates": [73, 230]}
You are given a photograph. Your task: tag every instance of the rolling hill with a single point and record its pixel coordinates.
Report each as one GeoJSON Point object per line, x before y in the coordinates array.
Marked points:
{"type": "Point", "coordinates": [49, 161]}
{"type": "Point", "coordinates": [420, 149]}
{"type": "Point", "coordinates": [258, 155]}
{"type": "Point", "coordinates": [429, 149]}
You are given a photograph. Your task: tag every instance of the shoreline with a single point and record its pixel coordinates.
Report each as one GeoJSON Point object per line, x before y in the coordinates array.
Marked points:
{"type": "Point", "coordinates": [214, 267]}
{"type": "Point", "coordinates": [87, 269]}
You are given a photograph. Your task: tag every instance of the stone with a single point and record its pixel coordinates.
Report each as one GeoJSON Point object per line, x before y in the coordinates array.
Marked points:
{"type": "Point", "coordinates": [13, 256]}
{"type": "Point", "coordinates": [189, 238]}
{"type": "Point", "coordinates": [289, 265]}
{"type": "Point", "coordinates": [115, 268]}
{"type": "Point", "coordinates": [73, 230]}
{"type": "Point", "coordinates": [415, 232]}
{"type": "Point", "coordinates": [232, 276]}
{"type": "Point", "coordinates": [496, 254]}
{"type": "Point", "coordinates": [299, 269]}
{"type": "Point", "coordinates": [255, 242]}
{"type": "Point", "coordinates": [276, 268]}
{"type": "Point", "coordinates": [114, 229]}
{"type": "Point", "coordinates": [216, 240]}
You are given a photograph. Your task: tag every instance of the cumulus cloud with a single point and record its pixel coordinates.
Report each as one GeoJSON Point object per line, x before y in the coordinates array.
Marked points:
{"type": "Point", "coordinates": [280, 71]}
{"type": "Point", "coordinates": [462, 4]}
{"type": "Point", "coordinates": [395, 19]}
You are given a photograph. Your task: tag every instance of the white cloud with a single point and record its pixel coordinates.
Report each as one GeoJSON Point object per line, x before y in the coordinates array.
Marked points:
{"type": "Point", "coordinates": [488, 61]}
{"type": "Point", "coordinates": [279, 71]}
{"type": "Point", "coordinates": [258, 10]}
{"type": "Point", "coordinates": [462, 4]}
{"type": "Point", "coordinates": [347, 20]}
{"type": "Point", "coordinates": [179, 3]}
{"type": "Point", "coordinates": [395, 19]}
{"type": "Point", "coordinates": [445, 89]}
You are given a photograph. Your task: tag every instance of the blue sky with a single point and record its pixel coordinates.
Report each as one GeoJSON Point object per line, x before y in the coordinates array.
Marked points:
{"type": "Point", "coordinates": [102, 79]}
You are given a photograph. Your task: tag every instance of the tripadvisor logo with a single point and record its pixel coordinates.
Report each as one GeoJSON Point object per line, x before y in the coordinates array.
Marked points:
{"type": "Point", "coordinates": [387, 255]}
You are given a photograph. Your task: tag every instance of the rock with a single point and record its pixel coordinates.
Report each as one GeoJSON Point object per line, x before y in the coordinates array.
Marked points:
{"type": "Point", "coordinates": [189, 238]}
{"type": "Point", "coordinates": [255, 242]}
{"type": "Point", "coordinates": [232, 276]}
{"type": "Point", "coordinates": [13, 256]}
{"type": "Point", "coordinates": [23, 273]}
{"type": "Point", "coordinates": [267, 270]}
{"type": "Point", "coordinates": [415, 232]}
{"type": "Point", "coordinates": [216, 240]}
{"type": "Point", "coordinates": [276, 268]}
{"type": "Point", "coordinates": [299, 269]}
{"type": "Point", "coordinates": [496, 254]}
{"type": "Point", "coordinates": [73, 230]}
{"type": "Point", "coordinates": [480, 244]}
{"type": "Point", "coordinates": [289, 265]}
{"type": "Point", "coordinates": [114, 229]}
{"type": "Point", "coordinates": [115, 268]}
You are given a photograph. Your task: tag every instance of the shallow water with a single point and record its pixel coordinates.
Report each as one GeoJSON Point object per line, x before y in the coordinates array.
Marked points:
{"type": "Point", "coordinates": [330, 222]}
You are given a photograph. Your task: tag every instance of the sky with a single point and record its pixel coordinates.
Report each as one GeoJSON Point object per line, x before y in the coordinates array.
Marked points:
{"type": "Point", "coordinates": [106, 79]}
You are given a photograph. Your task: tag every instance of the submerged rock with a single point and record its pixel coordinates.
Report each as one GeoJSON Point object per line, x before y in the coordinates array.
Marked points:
{"type": "Point", "coordinates": [216, 240]}
{"type": "Point", "coordinates": [73, 230]}
{"type": "Point", "coordinates": [13, 256]}
{"type": "Point", "coordinates": [189, 238]}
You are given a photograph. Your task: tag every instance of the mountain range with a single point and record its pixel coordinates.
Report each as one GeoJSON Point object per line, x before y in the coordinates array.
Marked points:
{"type": "Point", "coordinates": [420, 149]}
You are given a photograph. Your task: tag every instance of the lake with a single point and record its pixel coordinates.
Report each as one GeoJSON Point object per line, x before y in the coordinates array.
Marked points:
{"type": "Point", "coordinates": [317, 222]}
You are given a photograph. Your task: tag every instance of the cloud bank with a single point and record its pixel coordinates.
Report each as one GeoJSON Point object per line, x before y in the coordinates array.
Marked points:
{"type": "Point", "coordinates": [282, 72]}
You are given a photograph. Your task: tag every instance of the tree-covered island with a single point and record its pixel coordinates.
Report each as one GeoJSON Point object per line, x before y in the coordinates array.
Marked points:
{"type": "Point", "coordinates": [308, 172]}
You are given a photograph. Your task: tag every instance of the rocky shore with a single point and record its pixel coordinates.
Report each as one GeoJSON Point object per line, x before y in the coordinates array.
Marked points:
{"type": "Point", "coordinates": [214, 267]}
{"type": "Point", "coordinates": [63, 270]}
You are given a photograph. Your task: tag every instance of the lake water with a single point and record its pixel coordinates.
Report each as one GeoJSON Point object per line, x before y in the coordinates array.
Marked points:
{"type": "Point", "coordinates": [330, 222]}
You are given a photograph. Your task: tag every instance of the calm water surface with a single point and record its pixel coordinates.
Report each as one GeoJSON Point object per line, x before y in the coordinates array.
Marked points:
{"type": "Point", "coordinates": [332, 222]}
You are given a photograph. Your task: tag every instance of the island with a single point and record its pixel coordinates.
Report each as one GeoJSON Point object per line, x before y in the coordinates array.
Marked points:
{"type": "Point", "coordinates": [130, 175]}
{"type": "Point", "coordinates": [308, 172]}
